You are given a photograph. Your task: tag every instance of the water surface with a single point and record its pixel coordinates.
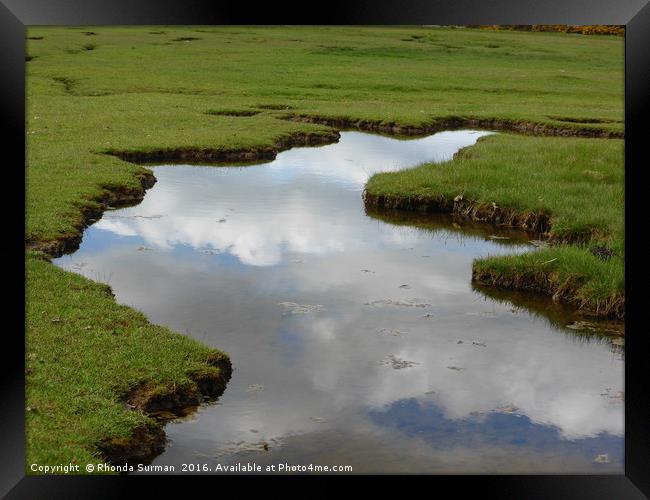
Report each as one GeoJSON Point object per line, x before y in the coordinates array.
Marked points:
{"type": "Point", "coordinates": [356, 339]}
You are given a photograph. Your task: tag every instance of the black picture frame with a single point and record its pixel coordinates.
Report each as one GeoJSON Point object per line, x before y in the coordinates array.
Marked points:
{"type": "Point", "coordinates": [15, 15]}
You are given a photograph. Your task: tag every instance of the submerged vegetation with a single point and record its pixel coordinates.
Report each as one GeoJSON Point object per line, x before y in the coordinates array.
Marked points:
{"type": "Point", "coordinates": [227, 92]}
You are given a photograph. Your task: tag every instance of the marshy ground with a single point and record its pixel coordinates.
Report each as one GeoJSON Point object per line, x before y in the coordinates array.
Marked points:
{"type": "Point", "coordinates": [99, 95]}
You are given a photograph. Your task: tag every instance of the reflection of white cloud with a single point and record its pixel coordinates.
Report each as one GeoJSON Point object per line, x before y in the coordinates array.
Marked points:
{"type": "Point", "coordinates": [550, 378]}
{"type": "Point", "coordinates": [258, 241]}
{"type": "Point", "coordinates": [293, 203]}
{"type": "Point", "coordinates": [120, 228]}
{"type": "Point", "coordinates": [298, 225]}
{"type": "Point", "coordinates": [357, 156]}
{"type": "Point", "coordinates": [553, 382]}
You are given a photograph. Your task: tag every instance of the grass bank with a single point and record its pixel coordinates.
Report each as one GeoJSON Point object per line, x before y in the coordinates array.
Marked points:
{"type": "Point", "coordinates": [98, 96]}
{"type": "Point", "coordinates": [569, 190]}
{"type": "Point", "coordinates": [96, 371]}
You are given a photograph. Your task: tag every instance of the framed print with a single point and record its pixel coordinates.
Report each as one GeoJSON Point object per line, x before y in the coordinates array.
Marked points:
{"type": "Point", "coordinates": [379, 241]}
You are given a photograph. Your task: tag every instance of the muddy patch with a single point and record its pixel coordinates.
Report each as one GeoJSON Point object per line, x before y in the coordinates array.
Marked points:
{"type": "Point", "coordinates": [275, 107]}
{"type": "Point", "coordinates": [233, 112]}
{"type": "Point", "coordinates": [570, 119]}
{"type": "Point", "coordinates": [69, 84]}
{"type": "Point", "coordinates": [140, 447]}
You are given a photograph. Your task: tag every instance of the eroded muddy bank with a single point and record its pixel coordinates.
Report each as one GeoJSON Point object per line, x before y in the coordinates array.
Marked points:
{"type": "Point", "coordinates": [113, 196]}
{"type": "Point", "coordinates": [120, 196]}
{"type": "Point", "coordinates": [537, 222]}
{"type": "Point", "coordinates": [146, 441]}
{"type": "Point", "coordinates": [164, 402]}
{"type": "Point", "coordinates": [551, 284]}
{"type": "Point", "coordinates": [559, 314]}
{"type": "Point", "coordinates": [505, 222]}
{"type": "Point", "coordinates": [538, 281]}
{"type": "Point", "coordinates": [454, 123]}
{"type": "Point", "coordinates": [221, 155]}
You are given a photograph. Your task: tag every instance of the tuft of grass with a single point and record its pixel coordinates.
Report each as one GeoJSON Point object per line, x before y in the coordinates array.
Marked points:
{"type": "Point", "coordinates": [569, 273]}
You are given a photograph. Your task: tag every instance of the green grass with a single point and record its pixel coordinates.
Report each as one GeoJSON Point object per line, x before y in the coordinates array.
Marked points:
{"type": "Point", "coordinates": [579, 182]}
{"type": "Point", "coordinates": [152, 89]}
{"type": "Point", "coordinates": [598, 284]}
{"type": "Point", "coordinates": [139, 91]}
{"type": "Point", "coordinates": [85, 352]}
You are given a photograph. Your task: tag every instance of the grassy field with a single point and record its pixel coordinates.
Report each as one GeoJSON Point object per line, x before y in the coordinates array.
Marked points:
{"type": "Point", "coordinates": [99, 93]}
{"type": "Point", "coordinates": [139, 89]}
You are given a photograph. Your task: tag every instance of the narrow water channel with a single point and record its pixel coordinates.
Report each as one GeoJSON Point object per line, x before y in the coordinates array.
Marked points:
{"type": "Point", "coordinates": [356, 339]}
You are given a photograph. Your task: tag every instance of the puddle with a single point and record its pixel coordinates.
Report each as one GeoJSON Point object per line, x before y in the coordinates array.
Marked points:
{"type": "Point", "coordinates": [357, 338]}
